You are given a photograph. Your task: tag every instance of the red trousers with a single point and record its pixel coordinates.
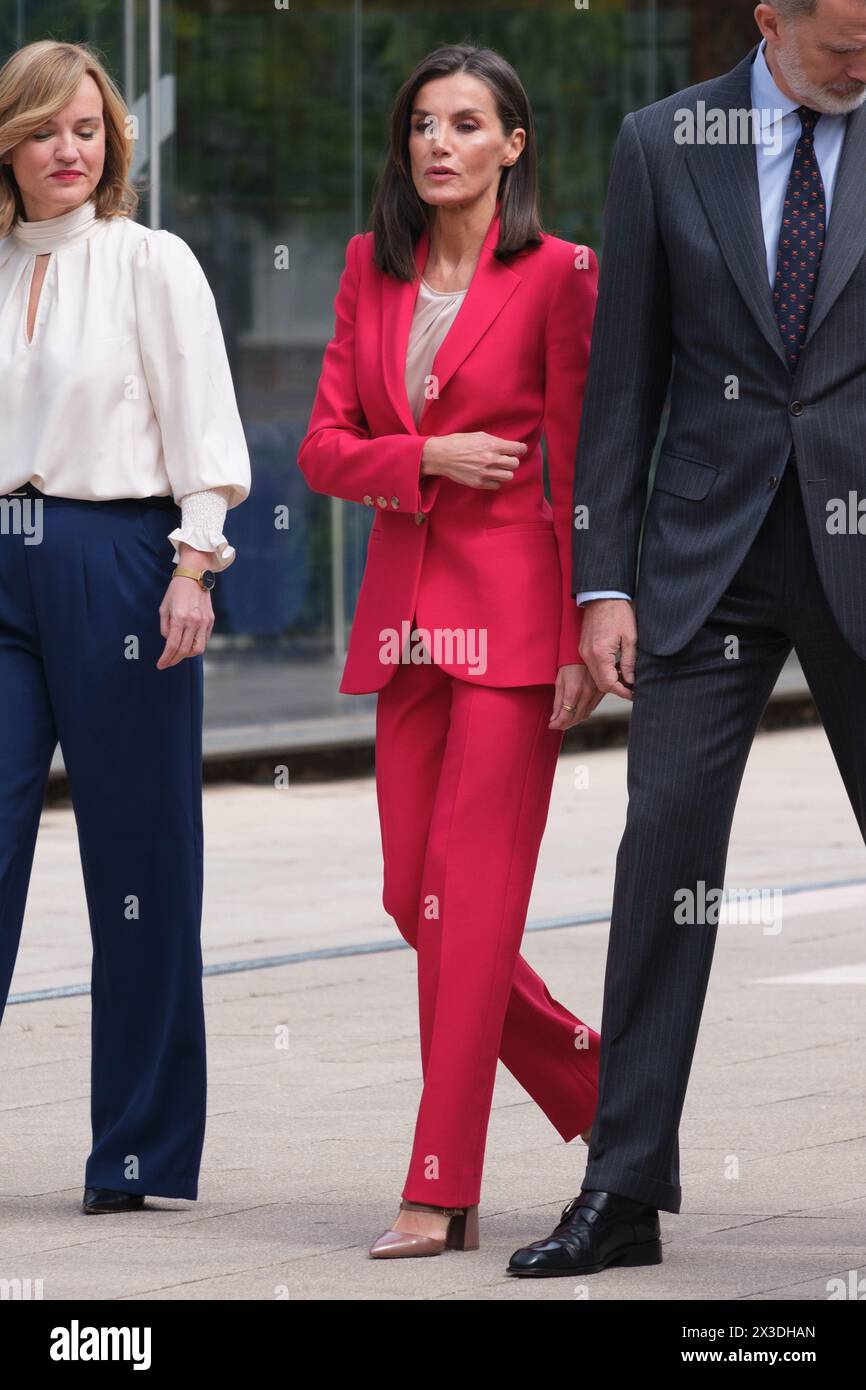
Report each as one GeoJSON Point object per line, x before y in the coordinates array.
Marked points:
{"type": "Point", "coordinates": [464, 775]}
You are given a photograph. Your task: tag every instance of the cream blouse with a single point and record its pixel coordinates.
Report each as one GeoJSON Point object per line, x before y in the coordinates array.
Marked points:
{"type": "Point", "coordinates": [125, 389]}
{"type": "Point", "coordinates": [435, 311]}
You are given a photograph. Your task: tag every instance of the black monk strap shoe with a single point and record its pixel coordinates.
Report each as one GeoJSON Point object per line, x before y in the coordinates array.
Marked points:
{"type": "Point", "coordinates": [596, 1229]}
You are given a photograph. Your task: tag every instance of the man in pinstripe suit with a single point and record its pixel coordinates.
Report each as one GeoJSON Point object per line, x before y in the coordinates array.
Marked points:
{"type": "Point", "coordinates": [734, 272]}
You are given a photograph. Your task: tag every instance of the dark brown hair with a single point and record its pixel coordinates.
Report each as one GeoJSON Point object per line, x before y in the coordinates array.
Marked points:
{"type": "Point", "coordinates": [399, 215]}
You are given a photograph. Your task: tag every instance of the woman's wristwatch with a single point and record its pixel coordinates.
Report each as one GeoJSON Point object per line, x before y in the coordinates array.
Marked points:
{"type": "Point", "coordinates": [206, 579]}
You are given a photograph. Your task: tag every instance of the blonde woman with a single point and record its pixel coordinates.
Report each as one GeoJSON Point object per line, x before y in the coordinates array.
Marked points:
{"type": "Point", "coordinates": [123, 449]}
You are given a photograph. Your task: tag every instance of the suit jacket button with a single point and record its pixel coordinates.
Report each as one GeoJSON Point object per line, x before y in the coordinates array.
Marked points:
{"type": "Point", "coordinates": [797, 407]}
{"type": "Point", "coordinates": [395, 501]}
{"type": "Point", "coordinates": [383, 501]}
{"type": "Point", "coordinates": [368, 501]}
{"type": "Point", "coordinates": [420, 517]}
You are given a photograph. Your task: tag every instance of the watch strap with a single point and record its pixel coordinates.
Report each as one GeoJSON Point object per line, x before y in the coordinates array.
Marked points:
{"type": "Point", "coordinates": [189, 574]}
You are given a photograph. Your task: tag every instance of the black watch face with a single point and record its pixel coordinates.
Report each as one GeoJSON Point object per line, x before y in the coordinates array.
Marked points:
{"type": "Point", "coordinates": [208, 578]}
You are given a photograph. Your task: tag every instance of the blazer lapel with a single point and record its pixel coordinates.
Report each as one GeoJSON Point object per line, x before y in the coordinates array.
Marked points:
{"type": "Point", "coordinates": [846, 231]}
{"type": "Point", "coordinates": [726, 178]}
{"type": "Point", "coordinates": [397, 304]}
{"type": "Point", "coordinates": [491, 286]}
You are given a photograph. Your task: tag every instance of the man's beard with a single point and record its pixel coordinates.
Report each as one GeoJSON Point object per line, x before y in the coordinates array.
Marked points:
{"type": "Point", "coordinates": [809, 93]}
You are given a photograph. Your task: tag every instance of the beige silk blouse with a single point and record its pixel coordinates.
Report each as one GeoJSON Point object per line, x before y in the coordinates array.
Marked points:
{"type": "Point", "coordinates": [435, 311]}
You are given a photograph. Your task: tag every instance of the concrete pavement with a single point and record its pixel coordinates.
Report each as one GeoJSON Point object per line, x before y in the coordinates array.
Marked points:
{"type": "Point", "coordinates": [314, 1073]}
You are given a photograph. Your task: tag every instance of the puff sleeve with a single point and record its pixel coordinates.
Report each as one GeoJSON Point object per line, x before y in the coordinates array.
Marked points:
{"type": "Point", "coordinates": [202, 515]}
{"type": "Point", "coordinates": [191, 389]}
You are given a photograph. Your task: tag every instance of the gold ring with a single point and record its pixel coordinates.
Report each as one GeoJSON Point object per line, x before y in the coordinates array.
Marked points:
{"type": "Point", "coordinates": [568, 707]}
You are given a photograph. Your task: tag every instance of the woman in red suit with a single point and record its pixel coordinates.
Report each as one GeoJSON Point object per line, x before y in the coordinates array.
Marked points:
{"type": "Point", "coordinates": [462, 335]}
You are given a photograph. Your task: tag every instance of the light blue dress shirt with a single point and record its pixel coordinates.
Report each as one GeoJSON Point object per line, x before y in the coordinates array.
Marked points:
{"type": "Point", "coordinates": [775, 155]}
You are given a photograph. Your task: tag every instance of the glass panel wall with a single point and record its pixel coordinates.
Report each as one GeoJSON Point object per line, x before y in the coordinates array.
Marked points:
{"type": "Point", "coordinates": [272, 123]}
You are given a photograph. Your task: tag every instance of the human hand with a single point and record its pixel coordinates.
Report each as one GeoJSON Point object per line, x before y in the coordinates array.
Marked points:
{"type": "Point", "coordinates": [576, 687]}
{"type": "Point", "coordinates": [476, 460]}
{"type": "Point", "coordinates": [186, 615]}
{"type": "Point", "coordinates": [609, 640]}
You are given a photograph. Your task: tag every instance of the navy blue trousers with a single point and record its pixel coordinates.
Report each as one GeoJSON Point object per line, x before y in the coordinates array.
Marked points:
{"type": "Point", "coordinates": [79, 641]}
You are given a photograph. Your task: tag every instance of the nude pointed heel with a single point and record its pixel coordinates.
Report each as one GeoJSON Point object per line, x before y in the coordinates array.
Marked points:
{"type": "Point", "coordinates": [462, 1234]}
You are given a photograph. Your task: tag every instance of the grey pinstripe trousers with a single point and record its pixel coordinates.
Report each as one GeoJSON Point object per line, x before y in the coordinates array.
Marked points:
{"type": "Point", "coordinates": [693, 720]}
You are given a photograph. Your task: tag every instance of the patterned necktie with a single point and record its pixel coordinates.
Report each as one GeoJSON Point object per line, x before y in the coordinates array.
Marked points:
{"type": "Point", "coordinates": [801, 242]}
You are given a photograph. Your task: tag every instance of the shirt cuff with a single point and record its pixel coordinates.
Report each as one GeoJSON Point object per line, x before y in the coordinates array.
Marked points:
{"type": "Point", "coordinates": [202, 515]}
{"type": "Point", "coordinates": [589, 594]}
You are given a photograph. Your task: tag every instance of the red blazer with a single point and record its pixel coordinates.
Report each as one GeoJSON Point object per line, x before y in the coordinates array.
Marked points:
{"type": "Point", "coordinates": [514, 364]}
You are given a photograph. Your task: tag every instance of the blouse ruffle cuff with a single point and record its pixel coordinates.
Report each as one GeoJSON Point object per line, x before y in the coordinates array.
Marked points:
{"type": "Point", "coordinates": [201, 521]}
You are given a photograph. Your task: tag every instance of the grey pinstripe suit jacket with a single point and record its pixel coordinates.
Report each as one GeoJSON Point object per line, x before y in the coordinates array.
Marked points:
{"type": "Point", "coordinates": [684, 299]}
